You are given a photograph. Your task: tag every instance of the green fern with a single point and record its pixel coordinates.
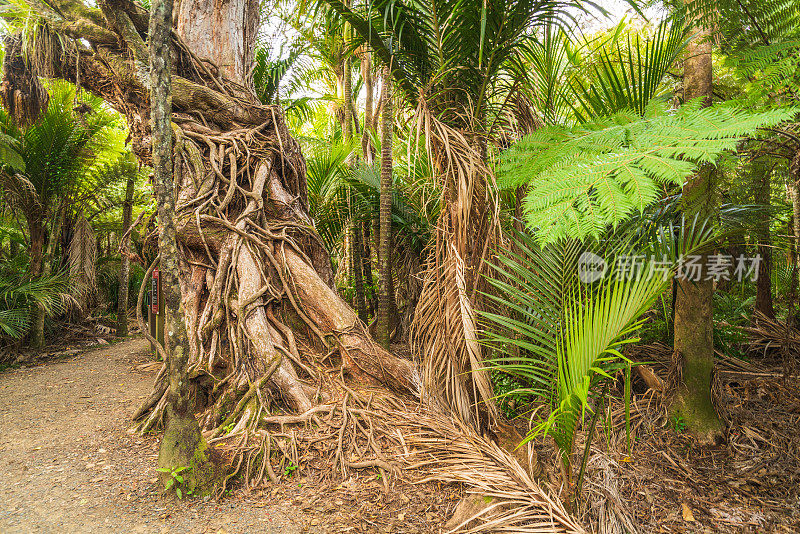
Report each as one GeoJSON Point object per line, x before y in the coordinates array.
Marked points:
{"type": "Point", "coordinates": [585, 178]}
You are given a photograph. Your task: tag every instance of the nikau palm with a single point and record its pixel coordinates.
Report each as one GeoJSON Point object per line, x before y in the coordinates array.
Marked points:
{"type": "Point", "coordinates": [454, 62]}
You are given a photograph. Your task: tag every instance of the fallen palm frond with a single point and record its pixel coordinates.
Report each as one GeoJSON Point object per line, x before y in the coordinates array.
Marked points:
{"type": "Point", "coordinates": [444, 330]}
{"type": "Point", "coordinates": [660, 356]}
{"type": "Point", "coordinates": [449, 451]}
{"type": "Point", "coordinates": [770, 335]}
{"type": "Point", "coordinates": [82, 260]}
{"type": "Point", "coordinates": [605, 501]}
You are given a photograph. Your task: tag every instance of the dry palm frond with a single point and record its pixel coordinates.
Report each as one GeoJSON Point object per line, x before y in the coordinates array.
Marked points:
{"type": "Point", "coordinates": [82, 255]}
{"type": "Point", "coordinates": [444, 330]}
{"type": "Point", "coordinates": [450, 451]}
{"type": "Point", "coordinates": [605, 501]}
{"type": "Point", "coordinates": [769, 335]}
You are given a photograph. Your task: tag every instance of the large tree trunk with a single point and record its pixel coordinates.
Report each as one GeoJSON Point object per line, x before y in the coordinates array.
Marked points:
{"type": "Point", "coordinates": [255, 281]}
{"type": "Point", "coordinates": [125, 260]}
{"type": "Point", "coordinates": [694, 312]}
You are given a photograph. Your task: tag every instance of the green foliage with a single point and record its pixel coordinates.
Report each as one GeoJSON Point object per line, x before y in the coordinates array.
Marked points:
{"type": "Point", "coordinates": [732, 310]}
{"type": "Point", "coordinates": [583, 179]}
{"type": "Point", "coordinates": [289, 468]}
{"type": "Point", "coordinates": [627, 75]}
{"type": "Point", "coordinates": [175, 480]}
{"type": "Point", "coordinates": [457, 55]}
{"type": "Point", "coordinates": [19, 294]}
{"type": "Point", "coordinates": [511, 394]}
{"type": "Point", "coordinates": [561, 339]}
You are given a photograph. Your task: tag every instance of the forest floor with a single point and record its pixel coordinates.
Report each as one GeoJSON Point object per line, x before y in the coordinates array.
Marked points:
{"type": "Point", "coordinates": [68, 464]}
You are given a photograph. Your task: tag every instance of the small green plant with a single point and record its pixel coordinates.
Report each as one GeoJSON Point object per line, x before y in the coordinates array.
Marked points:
{"type": "Point", "coordinates": [175, 479]}
{"type": "Point", "coordinates": [289, 469]}
{"type": "Point", "coordinates": [510, 393]}
{"type": "Point", "coordinates": [678, 424]}
{"type": "Point", "coordinates": [227, 428]}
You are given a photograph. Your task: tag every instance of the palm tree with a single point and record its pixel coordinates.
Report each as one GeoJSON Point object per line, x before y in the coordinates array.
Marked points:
{"type": "Point", "coordinates": [385, 294]}
{"type": "Point", "coordinates": [453, 62]}
{"type": "Point", "coordinates": [44, 162]}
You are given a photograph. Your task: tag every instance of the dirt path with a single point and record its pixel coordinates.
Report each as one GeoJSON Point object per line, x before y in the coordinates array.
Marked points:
{"type": "Point", "coordinates": [67, 463]}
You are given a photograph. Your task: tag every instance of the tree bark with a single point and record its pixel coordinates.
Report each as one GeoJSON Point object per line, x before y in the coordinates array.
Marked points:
{"type": "Point", "coordinates": [385, 296]}
{"type": "Point", "coordinates": [255, 281]}
{"type": "Point", "coordinates": [183, 445]}
{"type": "Point", "coordinates": [694, 319]}
{"type": "Point", "coordinates": [764, 283]}
{"type": "Point", "coordinates": [36, 254]}
{"type": "Point", "coordinates": [125, 261]}
{"type": "Point", "coordinates": [358, 271]}
{"type": "Point", "coordinates": [793, 192]}
{"type": "Point", "coordinates": [369, 126]}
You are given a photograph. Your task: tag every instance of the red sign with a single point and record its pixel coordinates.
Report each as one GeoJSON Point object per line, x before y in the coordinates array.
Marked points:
{"type": "Point", "coordinates": [154, 290]}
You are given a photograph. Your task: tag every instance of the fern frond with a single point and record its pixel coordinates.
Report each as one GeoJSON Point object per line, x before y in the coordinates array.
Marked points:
{"type": "Point", "coordinates": [586, 178]}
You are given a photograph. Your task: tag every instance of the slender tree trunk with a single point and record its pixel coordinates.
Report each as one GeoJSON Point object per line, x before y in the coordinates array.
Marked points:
{"type": "Point", "coordinates": [793, 190]}
{"type": "Point", "coordinates": [385, 248]}
{"type": "Point", "coordinates": [366, 258]}
{"type": "Point", "coordinates": [369, 126]}
{"type": "Point", "coordinates": [347, 97]}
{"type": "Point", "coordinates": [37, 233]}
{"type": "Point", "coordinates": [764, 282]}
{"type": "Point", "coordinates": [694, 313]}
{"type": "Point", "coordinates": [125, 262]}
{"type": "Point", "coordinates": [182, 445]}
{"type": "Point", "coordinates": [358, 274]}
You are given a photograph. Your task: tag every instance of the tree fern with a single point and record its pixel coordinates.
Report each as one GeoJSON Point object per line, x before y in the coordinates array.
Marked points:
{"type": "Point", "coordinates": [583, 179]}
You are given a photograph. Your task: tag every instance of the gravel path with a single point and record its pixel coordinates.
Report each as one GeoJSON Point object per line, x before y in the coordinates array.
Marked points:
{"type": "Point", "coordinates": [67, 463]}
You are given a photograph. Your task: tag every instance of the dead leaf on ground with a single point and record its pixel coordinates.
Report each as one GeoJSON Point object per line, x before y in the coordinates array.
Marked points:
{"type": "Point", "coordinates": [688, 516]}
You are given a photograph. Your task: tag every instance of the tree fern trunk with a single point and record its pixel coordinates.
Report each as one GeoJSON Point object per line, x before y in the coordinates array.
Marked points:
{"type": "Point", "coordinates": [694, 312]}
{"type": "Point", "coordinates": [384, 262]}
{"type": "Point", "coordinates": [125, 262]}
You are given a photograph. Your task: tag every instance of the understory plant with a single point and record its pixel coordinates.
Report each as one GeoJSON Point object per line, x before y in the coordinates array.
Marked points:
{"type": "Point", "coordinates": [20, 295]}
{"type": "Point", "coordinates": [560, 333]}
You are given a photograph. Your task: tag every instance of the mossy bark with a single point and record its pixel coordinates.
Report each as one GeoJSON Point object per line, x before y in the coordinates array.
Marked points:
{"type": "Point", "coordinates": [183, 445]}
{"type": "Point", "coordinates": [694, 311]}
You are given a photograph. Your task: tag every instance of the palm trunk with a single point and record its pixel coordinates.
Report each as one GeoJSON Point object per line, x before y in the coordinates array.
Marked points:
{"type": "Point", "coordinates": [182, 445]}
{"type": "Point", "coordinates": [36, 229]}
{"type": "Point", "coordinates": [764, 283]}
{"type": "Point", "coordinates": [356, 245]}
{"type": "Point", "coordinates": [366, 258]}
{"type": "Point", "coordinates": [694, 313]}
{"type": "Point", "coordinates": [125, 262]}
{"type": "Point", "coordinates": [385, 248]}
{"type": "Point", "coordinates": [369, 126]}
